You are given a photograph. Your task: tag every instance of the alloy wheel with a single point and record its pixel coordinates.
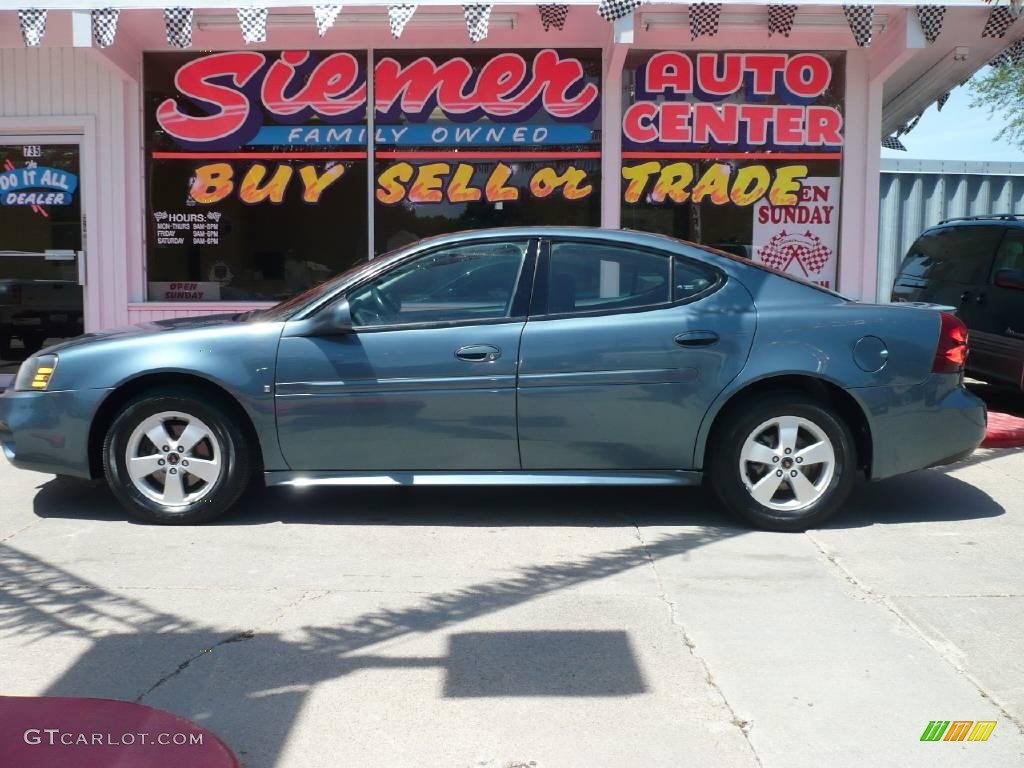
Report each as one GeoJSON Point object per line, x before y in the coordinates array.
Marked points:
{"type": "Point", "coordinates": [173, 458]}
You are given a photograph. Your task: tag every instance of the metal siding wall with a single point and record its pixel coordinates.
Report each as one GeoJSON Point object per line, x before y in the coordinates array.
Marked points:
{"type": "Point", "coordinates": [910, 202]}
{"type": "Point", "coordinates": [43, 82]}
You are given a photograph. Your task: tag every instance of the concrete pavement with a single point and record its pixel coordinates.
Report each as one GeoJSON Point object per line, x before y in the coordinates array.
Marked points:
{"type": "Point", "coordinates": [568, 627]}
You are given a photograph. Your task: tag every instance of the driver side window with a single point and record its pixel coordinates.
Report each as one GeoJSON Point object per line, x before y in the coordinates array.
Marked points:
{"type": "Point", "coordinates": [468, 282]}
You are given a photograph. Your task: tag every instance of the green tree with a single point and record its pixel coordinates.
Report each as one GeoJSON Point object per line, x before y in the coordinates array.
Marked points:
{"type": "Point", "coordinates": [1001, 91]}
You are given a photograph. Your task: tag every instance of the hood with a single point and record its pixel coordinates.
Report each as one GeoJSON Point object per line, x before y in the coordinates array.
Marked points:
{"type": "Point", "coordinates": [150, 328]}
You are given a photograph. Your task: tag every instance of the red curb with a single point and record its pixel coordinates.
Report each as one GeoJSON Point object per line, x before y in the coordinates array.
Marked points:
{"type": "Point", "coordinates": [100, 733]}
{"type": "Point", "coordinates": [1004, 431]}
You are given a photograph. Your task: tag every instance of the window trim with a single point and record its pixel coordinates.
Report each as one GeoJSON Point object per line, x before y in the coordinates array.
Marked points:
{"type": "Point", "coordinates": [520, 296]}
{"type": "Point", "coordinates": [538, 307]}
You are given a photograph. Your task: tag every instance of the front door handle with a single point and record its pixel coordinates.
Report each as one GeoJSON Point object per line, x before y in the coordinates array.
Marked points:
{"type": "Point", "coordinates": [696, 339]}
{"type": "Point", "coordinates": [478, 353]}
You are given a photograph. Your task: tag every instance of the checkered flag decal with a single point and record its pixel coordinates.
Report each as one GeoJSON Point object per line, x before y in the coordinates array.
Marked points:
{"type": "Point", "coordinates": [613, 10]}
{"type": "Point", "coordinates": [478, 17]}
{"type": "Point", "coordinates": [1000, 19]}
{"type": "Point", "coordinates": [253, 22]}
{"type": "Point", "coordinates": [807, 250]}
{"type": "Point", "coordinates": [931, 17]}
{"type": "Point", "coordinates": [178, 24]}
{"type": "Point", "coordinates": [780, 19]}
{"type": "Point", "coordinates": [33, 26]}
{"type": "Point", "coordinates": [325, 16]}
{"type": "Point", "coordinates": [942, 101]}
{"type": "Point", "coordinates": [104, 26]}
{"type": "Point", "coordinates": [398, 17]}
{"type": "Point", "coordinates": [891, 142]}
{"type": "Point", "coordinates": [553, 16]}
{"type": "Point", "coordinates": [861, 19]}
{"type": "Point", "coordinates": [704, 19]}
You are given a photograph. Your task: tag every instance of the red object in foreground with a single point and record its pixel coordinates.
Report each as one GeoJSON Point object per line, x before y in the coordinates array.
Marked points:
{"type": "Point", "coordinates": [951, 353]}
{"type": "Point", "coordinates": [102, 733]}
{"type": "Point", "coordinates": [1004, 431]}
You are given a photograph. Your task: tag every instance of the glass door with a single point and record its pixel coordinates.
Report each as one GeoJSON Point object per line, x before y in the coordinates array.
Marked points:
{"type": "Point", "coordinates": [40, 244]}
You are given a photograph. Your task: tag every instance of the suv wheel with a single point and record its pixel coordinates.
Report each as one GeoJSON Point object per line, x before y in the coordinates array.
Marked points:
{"type": "Point", "coordinates": [171, 458]}
{"type": "Point", "coordinates": [783, 463]}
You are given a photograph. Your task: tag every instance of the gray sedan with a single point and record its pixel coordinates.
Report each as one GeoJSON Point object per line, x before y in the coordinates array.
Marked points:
{"type": "Point", "coordinates": [507, 357]}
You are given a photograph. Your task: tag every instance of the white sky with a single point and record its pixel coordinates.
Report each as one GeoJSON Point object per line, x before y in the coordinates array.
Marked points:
{"type": "Point", "coordinates": [958, 132]}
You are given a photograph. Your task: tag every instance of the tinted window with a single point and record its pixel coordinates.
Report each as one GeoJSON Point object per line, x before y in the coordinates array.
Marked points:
{"type": "Point", "coordinates": [584, 277]}
{"type": "Point", "coordinates": [1011, 252]}
{"type": "Point", "coordinates": [952, 255]}
{"type": "Point", "coordinates": [471, 282]}
{"type": "Point", "coordinates": [690, 279]}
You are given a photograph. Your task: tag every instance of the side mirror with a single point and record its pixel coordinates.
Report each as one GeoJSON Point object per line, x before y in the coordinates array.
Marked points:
{"type": "Point", "coordinates": [1010, 278]}
{"type": "Point", "coordinates": [335, 320]}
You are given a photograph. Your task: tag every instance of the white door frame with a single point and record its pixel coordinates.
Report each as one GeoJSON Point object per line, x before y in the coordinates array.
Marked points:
{"type": "Point", "coordinates": [70, 129]}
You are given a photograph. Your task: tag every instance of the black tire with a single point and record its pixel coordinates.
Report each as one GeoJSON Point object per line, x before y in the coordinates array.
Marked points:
{"type": "Point", "coordinates": [725, 449]}
{"type": "Point", "coordinates": [236, 457]}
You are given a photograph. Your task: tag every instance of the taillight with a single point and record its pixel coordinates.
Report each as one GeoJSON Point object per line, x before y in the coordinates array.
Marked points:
{"type": "Point", "coordinates": [951, 354]}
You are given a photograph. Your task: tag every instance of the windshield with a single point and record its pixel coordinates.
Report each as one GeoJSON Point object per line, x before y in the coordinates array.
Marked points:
{"type": "Point", "coordinates": [289, 306]}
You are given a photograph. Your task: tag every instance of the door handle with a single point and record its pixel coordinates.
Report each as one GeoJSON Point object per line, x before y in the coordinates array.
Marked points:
{"type": "Point", "coordinates": [478, 353]}
{"type": "Point", "coordinates": [696, 339]}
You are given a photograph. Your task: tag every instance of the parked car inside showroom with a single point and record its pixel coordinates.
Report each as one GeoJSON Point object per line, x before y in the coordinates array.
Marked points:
{"type": "Point", "coordinates": [578, 356]}
{"type": "Point", "coordinates": [975, 265]}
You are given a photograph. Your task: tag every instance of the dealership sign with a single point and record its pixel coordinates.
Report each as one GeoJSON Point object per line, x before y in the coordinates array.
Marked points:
{"type": "Point", "coordinates": [37, 185]}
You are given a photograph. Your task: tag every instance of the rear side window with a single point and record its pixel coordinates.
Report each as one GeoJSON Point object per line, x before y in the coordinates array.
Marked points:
{"type": "Point", "coordinates": [587, 277]}
{"type": "Point", "coordinates": [952, 255]}
{"type": "Point", "coordinates": [1011, 252]}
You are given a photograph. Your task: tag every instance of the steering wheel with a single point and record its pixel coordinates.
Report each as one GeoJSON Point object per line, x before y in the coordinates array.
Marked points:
{"type": "Point", "coordinates": [388, 306]}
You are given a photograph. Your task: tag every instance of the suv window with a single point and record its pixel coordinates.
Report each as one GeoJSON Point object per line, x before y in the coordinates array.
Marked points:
{"type": "Point", "coordinates": [1011, 252]}
{"type": "Point", "coordinates": [586, 277]}
{"type": "Point", "coordinates": [950, 255]}
{"type": "Point", "coordinates": [469, 282]}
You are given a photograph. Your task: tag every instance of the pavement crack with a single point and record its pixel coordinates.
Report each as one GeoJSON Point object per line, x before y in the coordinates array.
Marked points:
{"type": "Point", "coordinates": [238, 637]}
{"type": "Point", "coordinates": [943, 653]}
{"type": "Point", "coordinates": [744, 726]}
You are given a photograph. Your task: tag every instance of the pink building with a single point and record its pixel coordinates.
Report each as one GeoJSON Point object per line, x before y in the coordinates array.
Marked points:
{"type": "Point", "coordinates": [157, 165]}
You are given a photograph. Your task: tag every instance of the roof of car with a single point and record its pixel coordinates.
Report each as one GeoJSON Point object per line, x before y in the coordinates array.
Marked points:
{"type": "Point", "coordinates": [987, 218]}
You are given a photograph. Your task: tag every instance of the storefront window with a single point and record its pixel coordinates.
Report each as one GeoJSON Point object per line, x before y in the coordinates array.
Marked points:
{"type": "Point", "coordinates": [483, 139]}
{"type": "Point", "coordinates": [740, 151]}
{"type": "Point", "coordinates": [256, 172]}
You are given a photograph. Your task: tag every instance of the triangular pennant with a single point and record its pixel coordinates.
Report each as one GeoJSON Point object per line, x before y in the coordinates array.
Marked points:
{"type": "Point", "coordinates": [613, 10]}
{"type": "Point", "coordinates": [104, 26]}
{"type": "Point", "coordinates": [780, 19]}
{"type": "Point", "coordinates": [1012, 55]}
{"type": "Point", "coordinates": [553, 16]}
{"type": "Point", "coordinates": [478, 17]}
{"type": "Point", "coordinates": [908, 126]}
{"type": "Point", "coordinates": [398, 17]}
{"type": "Point", "coordinates": [1000, 19]}
{"type": "Point", "coordinates": [178, 24]}
{"type": "Point", "coordinates": [33, 26]}
{"type": "Point", "coordinates": [942, 101]}
{"type": "Point", "coordinates": [253, 21]}
{"type": "Point", "coordinates": [931, 17]}
{"type": "Point", "coordinates": [891, 142]}
{"type": "Point", "coordinates": [704, 19]}
{"type": "Point", "coordinates": [861, 19]}
{"type": "Point", "coordinates": [325, 16]}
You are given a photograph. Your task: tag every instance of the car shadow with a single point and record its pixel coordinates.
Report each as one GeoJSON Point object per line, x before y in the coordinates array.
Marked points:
{"type": "Point", "coordinates": [1000, 398]}
{"type": "Point", "coordinates": [930, 495]}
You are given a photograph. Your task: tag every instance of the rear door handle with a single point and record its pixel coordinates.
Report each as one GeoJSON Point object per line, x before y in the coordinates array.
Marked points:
{"type": "Point", "coordinates": [478, 353]}
{"type": "Point", "coordinates": [696, 339]}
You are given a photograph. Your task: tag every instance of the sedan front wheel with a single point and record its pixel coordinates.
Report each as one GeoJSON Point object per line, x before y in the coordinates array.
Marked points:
{"type": "Point", "coordinates": [171, 458]}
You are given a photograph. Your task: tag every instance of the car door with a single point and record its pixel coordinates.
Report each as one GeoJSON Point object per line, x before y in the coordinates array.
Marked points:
{"type": "Point", "coordinates": [996, 317]}
{"type": "Point", "coordinates": [623, 353]}
{"type": "Point", "coordinates": [947, 266]}
{"type": "Point", "coordinates": [425, 380]}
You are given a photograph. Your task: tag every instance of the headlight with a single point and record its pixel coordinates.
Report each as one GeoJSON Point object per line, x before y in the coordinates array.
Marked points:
{"type": "Point", "coordinates": [35, 373]}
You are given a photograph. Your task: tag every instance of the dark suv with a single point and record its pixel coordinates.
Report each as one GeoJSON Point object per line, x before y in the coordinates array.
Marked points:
{"type": "Point", "coordinates": [976, 265]}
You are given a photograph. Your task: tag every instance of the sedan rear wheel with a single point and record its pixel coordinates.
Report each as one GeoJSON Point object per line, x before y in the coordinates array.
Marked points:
{"type": "Point", "coordinates": [784, 462]}
{"type": "Point", "coordinates": [173, 458]}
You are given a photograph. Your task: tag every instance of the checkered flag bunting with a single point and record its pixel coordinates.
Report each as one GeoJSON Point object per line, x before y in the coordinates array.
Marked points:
{"type": "Point", "coordinates": [553, 16]}
{"type": "Point", "coordinates": [178, 25]}
{"type": "Point", "coordinates": [1000, 19]}
{"type": "Point", "coordinates": [398, 17]}
{"type": "Point", "coordinates": [704, 19]}
{"type": "Point", "coordinates": [861, 19]}
{"type": "Point", "coordinates": [613, 10]}
{"type": "Point", "coordinates": [253, 22]}
{"type": "Point", "coordinates": [780, 19]}
{"type": "Point", "coordinates": [931, 17]}
{"type": "Point", "coordinates": [104, 26]}
{"type": "Point", "coordinates": [908, 126]}
{"type": "Point", "coordinates": [891, 142]}
{"type": "Point", "coordinates": [325, 16]}
{"type": "Point", "coordinates": [1009, 56]}
{"type": "Point", "coordinates": [33, 26]}
{"type": "Point", "coordinates": [941, 102]}
{"type": "Point", "coordinates": [478, 18]}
